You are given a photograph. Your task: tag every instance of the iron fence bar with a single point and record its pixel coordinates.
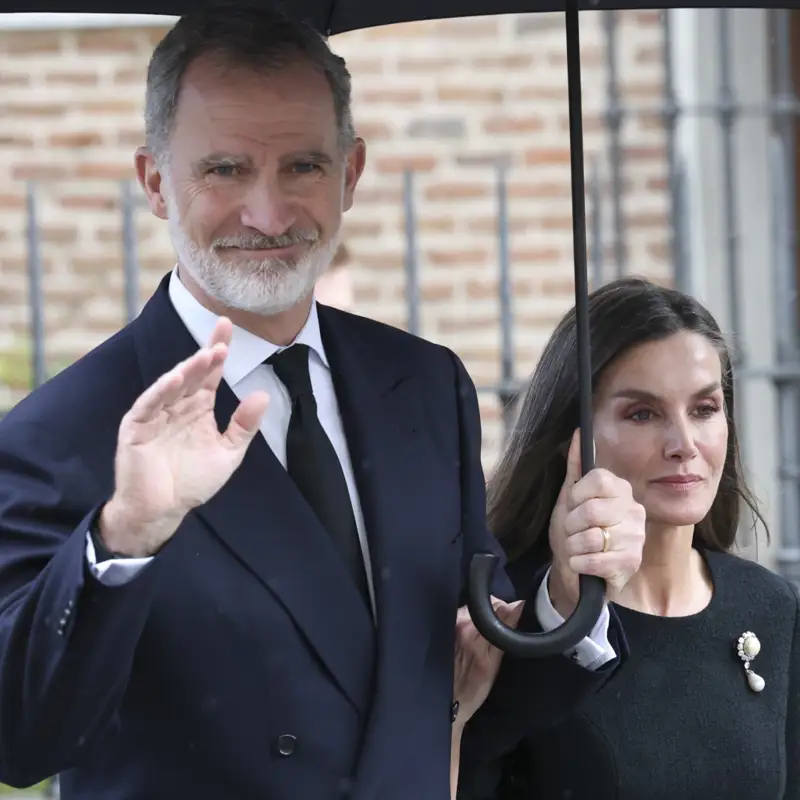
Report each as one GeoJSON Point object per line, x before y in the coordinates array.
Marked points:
{"type": "Point", "coordinates": [35, 291]}
{"type": "Point", "coordinates": [684, 271]}
{"type": "Point", "coordinates": [505, 298]}
{"type": "Point", "coordinates": [790, 473]}
{"type": "Point", "coordinates": [614, 116]}
{"type": "Point", "coordinates": [784, 110]}
{"type": "Point", "coordinates": [596, 249]}
{"type": "Point", "coordinates": [727, 121]}
{"type": "Point", "coordinates": [670, 116]}
{"type": "Point", "coordinates": [783, 165]}
{"type": "Point", "coordinates": [784, 340]}
{"type": "Point", "coordinates": [130, 260]}
{"type": "Point", "coordinates": [411, 257]}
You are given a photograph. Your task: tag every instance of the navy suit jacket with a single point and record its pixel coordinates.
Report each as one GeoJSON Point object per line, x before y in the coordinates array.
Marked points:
{"type": "Point", "coordinates": [242, 663]}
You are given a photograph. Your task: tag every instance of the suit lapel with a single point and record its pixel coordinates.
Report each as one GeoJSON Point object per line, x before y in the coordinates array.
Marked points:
{"type": "Point", "coordinates": [379, 398]}
{"type": "Point", "coordinates": [265, 522]}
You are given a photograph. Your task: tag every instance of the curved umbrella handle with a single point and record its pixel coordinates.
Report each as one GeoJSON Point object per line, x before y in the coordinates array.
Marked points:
{"type": "Point", "coordinates": [530, 645]}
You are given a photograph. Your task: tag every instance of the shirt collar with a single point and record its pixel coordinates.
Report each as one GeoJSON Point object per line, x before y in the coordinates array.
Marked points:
{"type": "Point", "coordinates": [247, 351]}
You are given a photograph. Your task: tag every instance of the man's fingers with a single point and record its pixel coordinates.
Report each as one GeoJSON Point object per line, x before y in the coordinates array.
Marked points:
{"type": "Point", "coordinates": [204, 369]}
{"type": "Point", "coordinates": [246, 420]}
{"type": "Point", "coordinates": [222, 333]}
{"type": "Point", "coordinates": [163, 392]}
{"type": "Point", "coordinates": [215, 371]}
{"type": "Point", "coordinates": [181, 381]}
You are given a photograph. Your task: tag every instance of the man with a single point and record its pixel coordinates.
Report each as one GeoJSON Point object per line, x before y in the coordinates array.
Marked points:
{"type": "Point", "coordinates": [233, 537]}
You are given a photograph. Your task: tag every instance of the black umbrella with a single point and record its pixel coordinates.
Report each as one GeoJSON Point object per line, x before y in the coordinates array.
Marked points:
{"type": "Point", "coordinates": [338, 16]}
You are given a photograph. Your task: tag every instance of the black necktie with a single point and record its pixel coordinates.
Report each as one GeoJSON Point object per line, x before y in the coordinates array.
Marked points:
{"type": "Point", "coordinates": [313, 465]}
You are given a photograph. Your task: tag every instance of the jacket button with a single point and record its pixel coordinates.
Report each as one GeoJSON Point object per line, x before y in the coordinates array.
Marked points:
{"type": "Point", "coordinates": [286, 744]}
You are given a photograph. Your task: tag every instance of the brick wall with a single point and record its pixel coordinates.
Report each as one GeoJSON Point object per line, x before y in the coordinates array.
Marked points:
{"type": "Point", "coordinates": [446, 98]}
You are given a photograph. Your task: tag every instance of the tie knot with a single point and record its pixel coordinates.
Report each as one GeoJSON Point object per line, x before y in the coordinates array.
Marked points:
{"type": "Point", "coordinates": [291, 367]}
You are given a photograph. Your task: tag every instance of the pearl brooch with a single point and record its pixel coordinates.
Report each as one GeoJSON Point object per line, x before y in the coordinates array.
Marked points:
{"type": "Point", "coordinates": [747, 648]}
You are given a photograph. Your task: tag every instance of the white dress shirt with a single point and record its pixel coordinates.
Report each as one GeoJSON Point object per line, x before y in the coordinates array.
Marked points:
{"type": "Point", "coordinates": [245, 372]}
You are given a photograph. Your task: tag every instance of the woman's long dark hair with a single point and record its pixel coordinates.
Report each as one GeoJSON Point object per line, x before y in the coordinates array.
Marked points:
{"type": "Point", "coordinates": [622, 314]}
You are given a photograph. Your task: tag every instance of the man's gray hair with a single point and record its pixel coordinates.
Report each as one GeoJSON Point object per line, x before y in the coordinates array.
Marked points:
{"type": "Point", "coordinates": [261, 39]}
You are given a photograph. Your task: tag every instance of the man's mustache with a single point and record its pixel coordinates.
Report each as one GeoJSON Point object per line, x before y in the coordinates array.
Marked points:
{"type": "Point", "coordinates": [263, 242]}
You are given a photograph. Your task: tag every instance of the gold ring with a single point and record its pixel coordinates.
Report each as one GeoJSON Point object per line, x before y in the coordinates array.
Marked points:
{"type": "Point", "coordinates": [606, 540]}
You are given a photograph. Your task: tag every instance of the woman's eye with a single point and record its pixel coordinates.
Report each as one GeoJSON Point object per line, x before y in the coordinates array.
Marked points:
{"type": "Point", "coordinates": [707, 410]}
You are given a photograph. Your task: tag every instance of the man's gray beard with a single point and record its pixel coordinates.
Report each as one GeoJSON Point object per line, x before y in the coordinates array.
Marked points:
{"type": "Point", "coordinates": [263, 286]}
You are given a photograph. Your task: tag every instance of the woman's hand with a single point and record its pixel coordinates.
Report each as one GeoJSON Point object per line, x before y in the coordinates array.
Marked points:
{"type": "Point", "coordinates": [477, 662]}
{"type": "Point", "coordinates": [596, 528]}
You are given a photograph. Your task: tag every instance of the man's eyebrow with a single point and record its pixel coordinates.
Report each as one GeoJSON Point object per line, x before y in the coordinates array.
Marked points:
{"type": "Point", "coordinates": [220, 159]}
{"type": "Point", "coordinates": [315, 156]}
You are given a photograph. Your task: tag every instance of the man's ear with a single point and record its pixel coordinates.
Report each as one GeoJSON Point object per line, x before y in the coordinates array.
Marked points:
{"type": "Point", "coordinates": [356, 159]}
{"type": "Point", "coordinates": [150, 179]}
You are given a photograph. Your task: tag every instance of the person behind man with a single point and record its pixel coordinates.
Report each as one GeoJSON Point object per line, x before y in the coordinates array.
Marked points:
{"type": "Point", "coordinates": [233, 538]}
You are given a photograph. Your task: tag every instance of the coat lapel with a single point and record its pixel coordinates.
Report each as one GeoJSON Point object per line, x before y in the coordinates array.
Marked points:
{"type": "Point", "coordinates": [380, 401]}
{"type": "Point", "coordinates": [268, 526]}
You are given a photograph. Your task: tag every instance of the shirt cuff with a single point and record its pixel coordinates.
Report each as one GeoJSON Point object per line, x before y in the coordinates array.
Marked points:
{"type": "Point", "coordinates": [594, 650]}
{"type": "Point", "coordinates": [114, 571]}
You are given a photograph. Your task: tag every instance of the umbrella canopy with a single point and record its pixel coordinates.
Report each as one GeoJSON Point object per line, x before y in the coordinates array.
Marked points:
{"type": "Point", "coordinates": [338, 16]}
{"type": "Point", "coordinates": [331, 17]}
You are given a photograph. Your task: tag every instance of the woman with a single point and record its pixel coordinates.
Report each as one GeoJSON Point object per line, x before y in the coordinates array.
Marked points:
{"type": "Point", "coordinates": [707, 705]}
